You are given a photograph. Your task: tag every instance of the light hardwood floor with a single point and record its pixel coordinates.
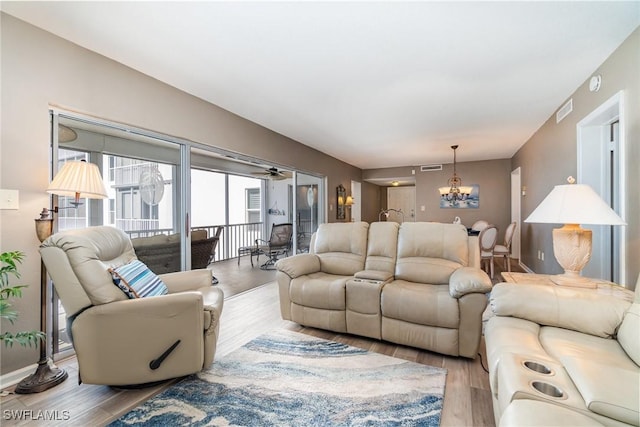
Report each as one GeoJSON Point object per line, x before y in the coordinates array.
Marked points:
{"type": "Point", "coordinates": [245, 316]}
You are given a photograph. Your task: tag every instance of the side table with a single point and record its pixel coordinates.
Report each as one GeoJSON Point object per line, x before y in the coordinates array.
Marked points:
{"type": "Point", "coordinates": [603, 287]}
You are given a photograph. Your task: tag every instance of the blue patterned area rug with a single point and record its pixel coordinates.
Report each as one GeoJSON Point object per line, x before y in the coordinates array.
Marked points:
{"type": "Point", "coordinates": [286, 378]}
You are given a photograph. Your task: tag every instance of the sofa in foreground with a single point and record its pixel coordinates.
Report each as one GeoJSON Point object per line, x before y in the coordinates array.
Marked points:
{"type": "Point", "coordinates": [564, 356]}
{"type": "Point", "coordinates": [418, 284]}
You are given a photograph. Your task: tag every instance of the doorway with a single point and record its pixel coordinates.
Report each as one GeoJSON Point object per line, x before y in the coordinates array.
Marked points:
{"type": "Point", "coordinates": [601, 153]}
{"type": "Point", "coordinates": [404, 199]}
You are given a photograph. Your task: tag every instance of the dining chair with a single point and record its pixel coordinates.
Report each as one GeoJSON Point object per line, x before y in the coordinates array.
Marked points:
{"type": "Point", "coordinates": [505, 249]}
{"type": "Point", "coordinates": [488, 238]}
{"type": "Point", "coordinates": [479, 225]}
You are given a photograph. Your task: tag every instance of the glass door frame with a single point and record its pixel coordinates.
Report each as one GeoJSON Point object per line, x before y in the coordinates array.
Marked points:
{"type": "Point", "coordinates": [181, 205]}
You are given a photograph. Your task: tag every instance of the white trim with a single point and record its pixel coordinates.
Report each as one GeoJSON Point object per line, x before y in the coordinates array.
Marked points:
{"type": "Point", "coordinates": [608, 112]}
{"type": "Point", "coordinates": [525, 268]}
{"type": "Point", "coordinates": [12, 378]}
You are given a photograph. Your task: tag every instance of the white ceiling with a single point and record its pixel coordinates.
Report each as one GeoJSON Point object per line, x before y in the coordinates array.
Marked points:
{"type": "Point", "coordinates": [376, 84]}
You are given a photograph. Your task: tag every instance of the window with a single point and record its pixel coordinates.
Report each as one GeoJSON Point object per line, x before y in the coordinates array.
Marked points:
{"type": "Point", "coordinates": [253, 204]}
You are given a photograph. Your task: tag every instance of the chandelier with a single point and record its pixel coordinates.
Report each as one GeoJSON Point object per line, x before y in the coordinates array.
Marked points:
{"type": "Point", "coordinates": [455, 191]}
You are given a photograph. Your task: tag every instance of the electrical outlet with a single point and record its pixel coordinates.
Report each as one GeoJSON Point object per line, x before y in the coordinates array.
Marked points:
{"type": "Point", "coordinates": [542, 256]}
{"type": "Point", "coordinates": [9, 199]}
{"type": "Point", "coordinates": [539, 254]}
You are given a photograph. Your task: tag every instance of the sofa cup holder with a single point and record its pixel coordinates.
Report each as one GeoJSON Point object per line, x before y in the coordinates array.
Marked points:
{"type": "Point", "coordinates": [548, 389]}
{"type": "Point", "coordinates": [537, 367]}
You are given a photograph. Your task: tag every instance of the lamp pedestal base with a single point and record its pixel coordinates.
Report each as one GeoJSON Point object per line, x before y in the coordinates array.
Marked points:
{"type": "Point", "coordinates": [47, 375]}
{"type": "Point", "coordinates": [572, 248]}
{"type": "Point", "coordinates": [573, 281]}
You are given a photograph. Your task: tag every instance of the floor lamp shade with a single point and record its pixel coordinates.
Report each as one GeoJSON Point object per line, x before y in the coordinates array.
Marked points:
{"type": "Point", "coordinates": [572, 205]}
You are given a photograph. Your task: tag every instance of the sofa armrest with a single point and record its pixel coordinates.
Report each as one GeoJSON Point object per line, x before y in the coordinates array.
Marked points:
{"type": "Point", "coordinates": [185, 281]}
{"type": "Point", "coordinates": [299, 265]}
{"type": "Point", "coordinates": [466, 280]}
{"type": "Point", "coordinates": [577, 309]}
{"type": "Point", "coordinates": [374, 275]}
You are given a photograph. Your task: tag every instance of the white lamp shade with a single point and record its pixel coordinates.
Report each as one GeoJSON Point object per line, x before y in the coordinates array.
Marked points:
{"type": "Point", "coordinates": [574, 204]}
{"type": "Point", "coordinates": [78, 177]}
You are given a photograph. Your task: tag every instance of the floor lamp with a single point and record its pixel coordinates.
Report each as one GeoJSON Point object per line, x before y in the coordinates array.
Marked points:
{"type": "Point", "coordinates": [81, 180]}
{"type": "Point", "coordinates": [573, 204]}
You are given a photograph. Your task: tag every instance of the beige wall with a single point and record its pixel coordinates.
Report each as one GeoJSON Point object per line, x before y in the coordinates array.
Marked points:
{"type": "Point", "coordinates": [493, 177]}
{"type": "Point", "coordinates": [550, 156]}
{"type": "Point", "coordinates": [40, 70]}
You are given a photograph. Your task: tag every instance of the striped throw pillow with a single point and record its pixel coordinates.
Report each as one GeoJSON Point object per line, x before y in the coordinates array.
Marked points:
{"type": "Point", "coordinates": [137, 281]}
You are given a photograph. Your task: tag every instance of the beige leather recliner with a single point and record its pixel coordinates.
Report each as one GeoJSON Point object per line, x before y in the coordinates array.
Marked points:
{"type": "Point", "coordinates": [121, 341]}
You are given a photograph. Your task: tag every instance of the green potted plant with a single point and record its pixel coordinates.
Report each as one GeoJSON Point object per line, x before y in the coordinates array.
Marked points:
{"type": "Point", "coordinates": [9, 267]}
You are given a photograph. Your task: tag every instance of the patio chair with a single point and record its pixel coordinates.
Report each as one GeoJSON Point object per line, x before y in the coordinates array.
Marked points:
{"type": "Point", "coordinates": [279, 243]}
{"type": "Point", "coordinates": [203, 249]}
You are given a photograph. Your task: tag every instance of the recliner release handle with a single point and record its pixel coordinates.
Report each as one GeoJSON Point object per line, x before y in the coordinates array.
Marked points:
{"type": "Point", "coordinates": [155, 364]}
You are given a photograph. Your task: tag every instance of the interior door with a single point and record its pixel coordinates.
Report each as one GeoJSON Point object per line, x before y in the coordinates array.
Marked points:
{"type": "Point", "coordinates": [402, 199]}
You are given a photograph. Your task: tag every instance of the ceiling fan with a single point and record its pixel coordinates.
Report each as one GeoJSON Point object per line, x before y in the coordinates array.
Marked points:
{"type": "Point", "coordinates": [273, 173]}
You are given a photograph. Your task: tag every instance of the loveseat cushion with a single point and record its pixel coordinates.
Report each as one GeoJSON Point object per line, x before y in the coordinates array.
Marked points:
{"type": "Point", "coordinates": [431, 252]}
{"type": "Point", "coordinates": [420, 304]}
{"type": "Point", "coordinates": [341, 247]}
{"type": "Point", "coordinates": [607, 390]}
{"type": "Point", "coordinates": [560, 342]}
{"type": "Point", "coordinates": [577, 309]}
{"type": "Point", "coordinates": [319, 290]}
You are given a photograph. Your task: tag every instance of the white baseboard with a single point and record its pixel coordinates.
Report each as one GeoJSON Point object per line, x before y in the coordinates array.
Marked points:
{"type": "Point", "coordinates": [525, 268]}
{"type": "Point", "coordinates": [13, 378]}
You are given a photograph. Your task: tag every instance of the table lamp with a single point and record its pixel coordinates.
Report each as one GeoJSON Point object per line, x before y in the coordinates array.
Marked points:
{"type": "Point", "coordinates": [573, 204]}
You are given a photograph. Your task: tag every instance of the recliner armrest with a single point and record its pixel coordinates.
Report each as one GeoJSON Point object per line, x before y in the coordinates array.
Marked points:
{"type": "Point", "coordinates": [467, 280]}
{"type": "Point", "coordinates": [299, 265]}
{"type": "Point", "coordinates": [374, 275]}
{"type": "Point", "coordinates": [185, 281]}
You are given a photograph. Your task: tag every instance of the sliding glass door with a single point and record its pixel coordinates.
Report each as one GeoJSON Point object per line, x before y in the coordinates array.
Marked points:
{"type": "Point", "coordinates": [142, 174]}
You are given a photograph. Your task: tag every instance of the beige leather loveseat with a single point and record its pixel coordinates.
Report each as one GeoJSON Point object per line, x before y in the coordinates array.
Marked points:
{"type": "Point", "coordinates": [122, 341]}
{"type": "Point", "coordinates": [418, 284]}
{"type": "Point", "coordinates": [564, 356]}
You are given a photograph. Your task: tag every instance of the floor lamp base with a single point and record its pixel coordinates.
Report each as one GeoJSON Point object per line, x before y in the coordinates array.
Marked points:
{"type": "Point", "coordinates": [47, 375]}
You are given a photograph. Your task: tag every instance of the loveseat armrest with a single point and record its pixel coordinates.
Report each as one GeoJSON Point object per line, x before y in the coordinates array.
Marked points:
{"type": "Point", "coordinates": [185, 281]}
{"type": "Point", "coordinates": [299, 265]}
{"type": "Point", "coordinates": [467, 280]}
{"type": "Point", "coordinates": [581, 310]}
{"type": "Point", "coordinates": [108, 338]}
{"type": "Point", "coordinates": [374, 275]}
